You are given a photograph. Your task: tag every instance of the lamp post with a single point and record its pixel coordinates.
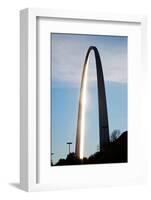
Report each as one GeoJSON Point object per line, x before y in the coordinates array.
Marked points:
{"type": "Point", "coordinates": [69, 143]}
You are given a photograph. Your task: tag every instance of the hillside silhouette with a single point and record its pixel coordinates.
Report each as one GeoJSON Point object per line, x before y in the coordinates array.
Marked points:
{"type": "Point", "coordinates": [114, 152]}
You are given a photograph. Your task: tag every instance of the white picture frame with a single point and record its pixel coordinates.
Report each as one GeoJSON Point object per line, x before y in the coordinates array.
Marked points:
{"type": "Point", "coordinates": [30, 168]}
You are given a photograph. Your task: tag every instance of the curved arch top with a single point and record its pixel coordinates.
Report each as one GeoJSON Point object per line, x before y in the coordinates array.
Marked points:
{"type": "Point", "coordinates": [102, 104]}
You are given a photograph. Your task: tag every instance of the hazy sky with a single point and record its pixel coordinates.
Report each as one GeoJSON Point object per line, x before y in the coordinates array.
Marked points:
{"type": "Point", "coordinates": [68, 54]}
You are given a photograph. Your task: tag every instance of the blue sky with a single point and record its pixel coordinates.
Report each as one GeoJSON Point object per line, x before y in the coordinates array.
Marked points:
{"type": "Point", "coordinates": [68, 53]}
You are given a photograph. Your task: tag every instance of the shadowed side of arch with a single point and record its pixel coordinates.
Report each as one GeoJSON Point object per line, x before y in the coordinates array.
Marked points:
{"type": "Point", "coordinates": [102, 105]}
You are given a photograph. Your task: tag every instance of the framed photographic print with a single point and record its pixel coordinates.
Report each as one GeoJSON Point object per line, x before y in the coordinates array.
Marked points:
{"type": "Point", "coordinates": [82, 78]}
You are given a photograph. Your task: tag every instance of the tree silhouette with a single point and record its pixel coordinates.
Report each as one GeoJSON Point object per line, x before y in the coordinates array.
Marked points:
{"type": "Point", "coordinates": [115, 135]}
{"type": "Point", "coordinates": [114, 152]}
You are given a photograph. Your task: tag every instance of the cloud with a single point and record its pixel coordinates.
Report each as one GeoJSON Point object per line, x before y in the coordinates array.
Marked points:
{"type": "Point", "coordinates": [68, 54]}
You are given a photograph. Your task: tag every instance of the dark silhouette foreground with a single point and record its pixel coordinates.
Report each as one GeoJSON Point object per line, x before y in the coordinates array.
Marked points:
{"type": "Point", "coordinates": [114, 152]}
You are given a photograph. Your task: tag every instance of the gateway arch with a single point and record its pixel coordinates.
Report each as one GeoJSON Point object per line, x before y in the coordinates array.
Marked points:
{"type": "Point", "coordinates": [102, 105]}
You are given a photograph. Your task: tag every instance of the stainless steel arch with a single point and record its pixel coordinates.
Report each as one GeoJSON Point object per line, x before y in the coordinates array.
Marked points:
{"type": "Point", "coordinates": [102, 104]}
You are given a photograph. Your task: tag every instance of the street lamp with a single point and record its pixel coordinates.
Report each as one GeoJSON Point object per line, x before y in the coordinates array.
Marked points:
{"type": "Point", "coordinates": [69, 143]}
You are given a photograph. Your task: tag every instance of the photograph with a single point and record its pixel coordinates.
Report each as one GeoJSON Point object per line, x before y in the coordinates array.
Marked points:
{"type": "Point", "coordinates": [89, 99]}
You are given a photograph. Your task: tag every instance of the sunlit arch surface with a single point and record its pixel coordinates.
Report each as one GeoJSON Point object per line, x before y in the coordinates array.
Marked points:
{"type": "Point", "coordinates": [102, 105]}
